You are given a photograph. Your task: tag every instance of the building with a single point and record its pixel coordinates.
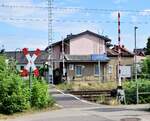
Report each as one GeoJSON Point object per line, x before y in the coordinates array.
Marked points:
{"type": "Point", "coordinates": [88, 57]}
{"type": "Point", "coordinates": [140, 51]}
{"type": "Point", "coordinates": [22, 61]}
{"type": "Point", "coordinates": [140, 54]}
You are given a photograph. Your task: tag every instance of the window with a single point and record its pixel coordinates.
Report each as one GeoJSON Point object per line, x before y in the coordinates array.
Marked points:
{"type": "Point", "coordinates": [110, 69]}
{"type": "Point", "coordinates": [78, 70]}
{"type": "Point", "coordinates": [96, 69]}
{"type": "Point", "coordinates": [21, 67]}
{"type": "Point", "coordinates": [71, 67]}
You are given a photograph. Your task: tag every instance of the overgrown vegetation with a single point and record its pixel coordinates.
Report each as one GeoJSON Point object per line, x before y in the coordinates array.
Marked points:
{"type": "Point", "coordinates": [130, 90]}
{"type": "Point", "coordinates": [129, 87]}
{"type": "Point", "coordinates": [40, 97]}
{"type": "Point", "coordinates": [83, 86]}
{"type": "Point", "coordinates": [148, 47]}
{"type": "Point", "coordinates": [15, 93]}
{"type": "Point", "coordinates": [145, 66]}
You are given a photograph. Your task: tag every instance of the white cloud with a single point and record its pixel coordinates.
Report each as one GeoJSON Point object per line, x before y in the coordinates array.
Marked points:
{"type": "Point", "coordinates": [38, 43]}
{"type": "Point", "coordinates": [67, 28]}
{"type": "Point", "coordinates": [11, 43]}
{"type": "Point", "coordinates": [145, 12]}
{"type": "Point", "coordinates": [23, 13]}
{"type": "Point", "coordinates": [127, 39]}
{"type": "Point", "coordinates": [59, 27]}
{"type": "Point", "coordinates": [31, 13]}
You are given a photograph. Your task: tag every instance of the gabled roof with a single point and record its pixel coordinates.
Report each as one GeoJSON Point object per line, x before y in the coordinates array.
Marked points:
{"type": "Point", "coordinates": [140, 51]}
{"type": "Point", "coordinates": [71, 36]}
{"type": "Point", "coordinates": [111, 53]}
{"type": "Point", "coordinates": [124, 52]}
{"type": "Point", "coordinates": [21, 59]}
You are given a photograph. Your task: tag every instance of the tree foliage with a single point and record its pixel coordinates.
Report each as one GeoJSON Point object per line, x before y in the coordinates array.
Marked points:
{"type": "Point", "coordinates": [130, 91]}
{"type": "Point", "coordinates": [15, 93]}
{"type": "Point", "coordinates": [145, 66]}
{"type": "Point", "coordinates": [148, 47]}
{"type": "Point", "coordinates": [40, 97]}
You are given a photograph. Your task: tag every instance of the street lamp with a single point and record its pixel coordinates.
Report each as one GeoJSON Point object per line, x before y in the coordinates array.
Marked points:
{"type": "Point", "coordinates": [137, 90]}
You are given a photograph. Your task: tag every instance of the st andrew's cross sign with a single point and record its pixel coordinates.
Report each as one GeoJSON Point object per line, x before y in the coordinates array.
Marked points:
{"type": "Point", "coordinates": [31, 64]}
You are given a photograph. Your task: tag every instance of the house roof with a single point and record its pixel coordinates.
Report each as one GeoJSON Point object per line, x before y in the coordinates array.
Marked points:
{"type": "Point", "coordinates": [111, 53]}
{"type": "Point", "coordinates": [124, 52]}
{"type": "Point", "coordinates": [139, 51]}
{"type": "Point", "coordinates": [21, 59]}
{"type": "Point", "coordinates": [103, 58]}
{"type": "Point", "coordinates": [86, 58]}
{"type": "Point", "coordinates": [71, 36]}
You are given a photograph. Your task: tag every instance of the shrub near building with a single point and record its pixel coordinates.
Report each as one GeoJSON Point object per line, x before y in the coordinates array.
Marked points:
{"type": "Point", "coordinates": [40, 97]}
{"type": "Point", "coordinates": [15, 94]}
{"type": "Point", "coordinates": [130, 91]}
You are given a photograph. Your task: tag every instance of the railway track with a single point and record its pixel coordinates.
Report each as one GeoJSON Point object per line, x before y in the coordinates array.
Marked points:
{"type": "Point", "coordinates": [92, 95]}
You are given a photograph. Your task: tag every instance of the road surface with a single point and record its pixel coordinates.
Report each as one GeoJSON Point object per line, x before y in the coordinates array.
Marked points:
{"type": "Point", "coordinates": [74, 109]}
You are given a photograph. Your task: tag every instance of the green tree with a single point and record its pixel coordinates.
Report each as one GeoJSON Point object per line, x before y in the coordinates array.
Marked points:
{"type": "Point", "coordinates": [148, 47]}
{"type": "Point", "coordinates": [146, 67]}
{"type": "Point", "coordinates": [15, 93]}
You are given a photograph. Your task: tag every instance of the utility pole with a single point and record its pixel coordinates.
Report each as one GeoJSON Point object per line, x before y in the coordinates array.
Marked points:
{"type": "Point", "coordinates": [50, 41]}
{"type": "Point", "coordinates": [63, 61]}
{"type": "Point", "coordinates": [119, 51]}
{"type": "Point", "coordinates": [137, 88]}
{"type": "Point", "coordinates": [99, 68]}
{"type": "Point", "coordinates": [99, 63]}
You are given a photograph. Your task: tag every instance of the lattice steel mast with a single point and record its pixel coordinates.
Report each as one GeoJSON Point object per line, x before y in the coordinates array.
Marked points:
{"type": "Point", "coordinates": [50, 41]}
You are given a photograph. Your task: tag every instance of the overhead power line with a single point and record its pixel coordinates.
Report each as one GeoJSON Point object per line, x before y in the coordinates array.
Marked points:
{"type": "Point", "coordinates": [69, 21]}
{"type": "Point", "coordinates": [22, 6]}
{"type": "Point", "coordinates": [74, 8]}
{"type": "Point", "coordinates": [22, 19]}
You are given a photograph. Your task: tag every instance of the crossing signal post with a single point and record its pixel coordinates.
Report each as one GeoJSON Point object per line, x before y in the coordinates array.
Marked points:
{"type": "Point", "coordinates": [27, 71]}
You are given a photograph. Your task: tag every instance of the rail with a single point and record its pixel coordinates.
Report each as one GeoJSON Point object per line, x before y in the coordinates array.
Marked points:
{"type": "Point", "coordinates": [92, 95]}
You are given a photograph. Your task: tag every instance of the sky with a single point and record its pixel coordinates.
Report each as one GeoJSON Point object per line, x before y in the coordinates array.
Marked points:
{"type": "Point", "coordinates": [24, 23]}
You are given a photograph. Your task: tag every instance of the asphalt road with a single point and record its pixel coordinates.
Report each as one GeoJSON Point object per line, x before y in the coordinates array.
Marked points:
{"type": "Point", "coordinates": [74, 109]}
{"type": "Point", "coordinates": [69, 101]}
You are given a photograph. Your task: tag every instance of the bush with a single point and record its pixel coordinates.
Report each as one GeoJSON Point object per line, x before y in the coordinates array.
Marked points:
{"type": "Point", "coordinates": [40, 97]}
{"type": "Point", "coordinates": [130, 91]}
{"type": "Point", "coordinates": [15, 93]}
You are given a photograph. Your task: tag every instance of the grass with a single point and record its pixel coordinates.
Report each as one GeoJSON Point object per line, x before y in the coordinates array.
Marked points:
{"type": "Point", "coordinates": [107, 101]}
{"type": "Point", "coordinates": [4, 117]}
{"type": "Point", "coordinates": [91, 86]}
{"type": "Point", "coordinates": [83, 86]}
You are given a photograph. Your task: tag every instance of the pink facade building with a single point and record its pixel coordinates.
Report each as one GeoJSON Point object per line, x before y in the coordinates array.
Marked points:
{"type": "Point", "coordinates": [87, 57]}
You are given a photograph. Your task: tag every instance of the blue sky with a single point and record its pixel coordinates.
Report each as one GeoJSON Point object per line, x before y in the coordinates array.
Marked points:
{"type": "Point", "coordinates": [33, 34]}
